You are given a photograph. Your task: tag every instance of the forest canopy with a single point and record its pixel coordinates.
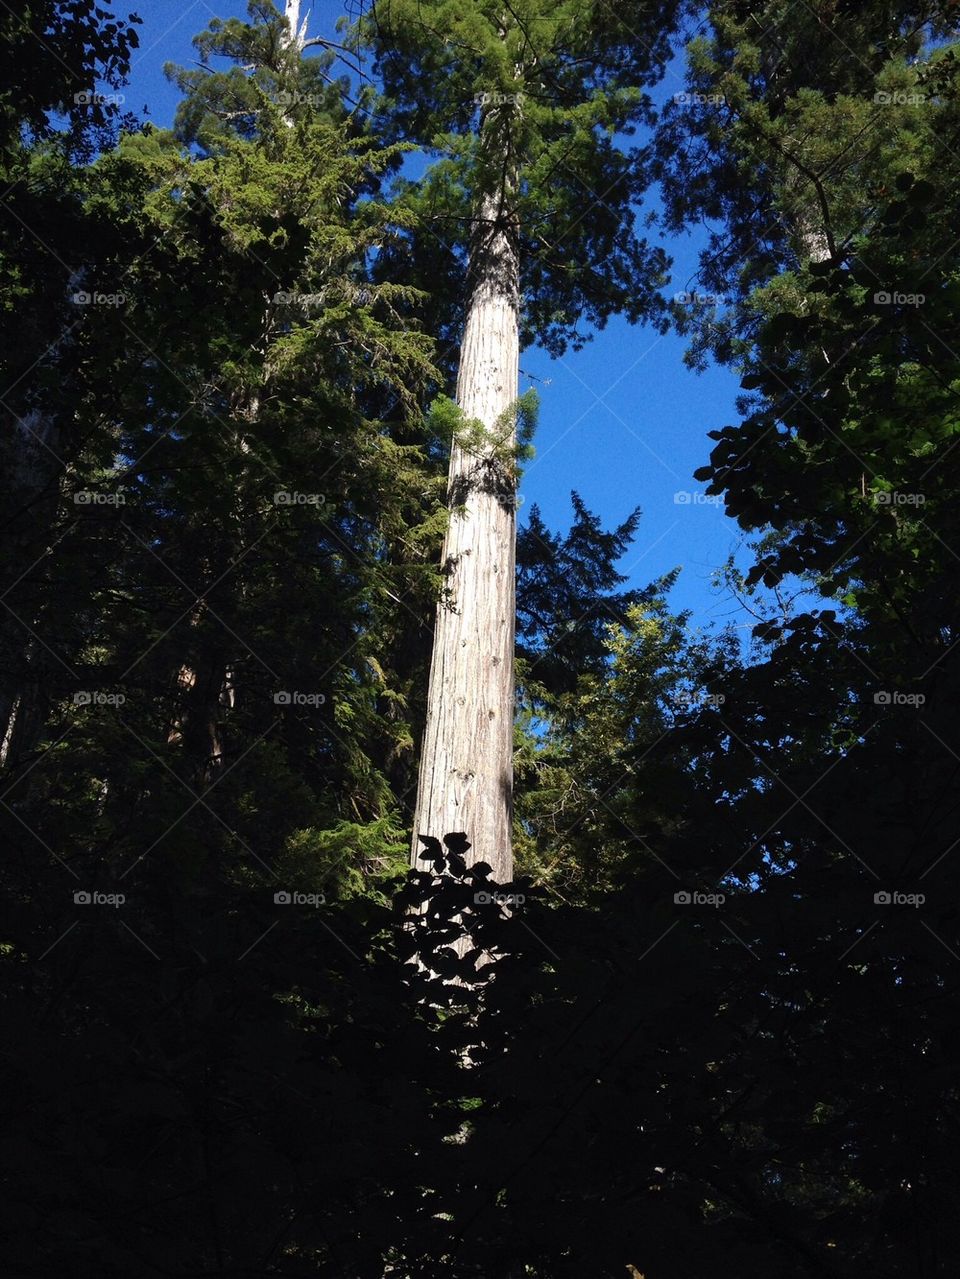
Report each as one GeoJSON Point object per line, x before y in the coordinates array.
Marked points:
{"type": "Point", "coordinates": [392, 886]}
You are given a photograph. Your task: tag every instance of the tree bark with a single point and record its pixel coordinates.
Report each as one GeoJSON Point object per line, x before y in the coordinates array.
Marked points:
{"type": "Point", "coordinates": [298, 33]}
{"type": "Point", "coordinates": [466, 768]}
{"type": "Point", "coordinates": [32, 471]}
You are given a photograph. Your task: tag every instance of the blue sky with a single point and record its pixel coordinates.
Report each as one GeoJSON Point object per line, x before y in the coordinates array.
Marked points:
{"type": "Point", "coordinates": [623, 421]}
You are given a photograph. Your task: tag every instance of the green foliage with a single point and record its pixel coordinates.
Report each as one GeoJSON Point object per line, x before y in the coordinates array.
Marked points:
{"type": "Point", "coordinates": [827, 163]}
{"type": "Point", "coordinates": [346, 860]}
{"type": "Point", "coordinates": [240, 508]}
{"type": "Point", "coordinates": [538, 97]}
{"type": "Point", "coordinates": [713, 1028]}
{"type": "Point", "coordinates": [506, 444]}
{"type": "Point", "coordinates": [269, 89]}
{"type": "Point", "coordinates": [53, 60]}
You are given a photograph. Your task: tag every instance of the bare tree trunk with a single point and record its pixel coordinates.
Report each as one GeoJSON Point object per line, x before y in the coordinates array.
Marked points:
{"type": "Point", "coordinates": [298, 32]}
{"type": "Point", "coordinates": [31, 470]}
{"type": "Point", "coordinates": [466, 766]}
{"type": "Point", "coordinates": [813, 239]}
{"type": "Point", "coordinates": [203, 718]}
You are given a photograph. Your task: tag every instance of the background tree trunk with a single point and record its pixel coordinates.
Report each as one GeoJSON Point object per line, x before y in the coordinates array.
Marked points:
{"type": "Point", "coordinates": [32, 470]}
{"type": "Point", "coordinates": [466, 766]}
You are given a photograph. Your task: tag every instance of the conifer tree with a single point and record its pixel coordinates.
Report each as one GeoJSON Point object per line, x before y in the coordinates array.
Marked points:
{"type": "Point", "coordinates": [530, 195]}
{"type": "Point", "coordinates": [60, 66]}
{"type": "Point", "coordinates": [251, 356]}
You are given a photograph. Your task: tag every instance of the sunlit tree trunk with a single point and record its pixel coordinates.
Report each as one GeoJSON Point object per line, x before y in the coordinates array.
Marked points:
{"type": "Point", "coordinates": [466, 768]}
{"type": "Point", "coordinates": [298, 32]}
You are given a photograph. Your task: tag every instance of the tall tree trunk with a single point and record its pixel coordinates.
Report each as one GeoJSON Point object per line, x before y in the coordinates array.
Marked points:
{"type": "Point", "coordinates": [466, 766]}
{"type": "Point", "coordinates": [298, 32]}
{"type": "Point", "coordinates": [203, 717]}
{"type": "Point", "coordinates": [31, 472]}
